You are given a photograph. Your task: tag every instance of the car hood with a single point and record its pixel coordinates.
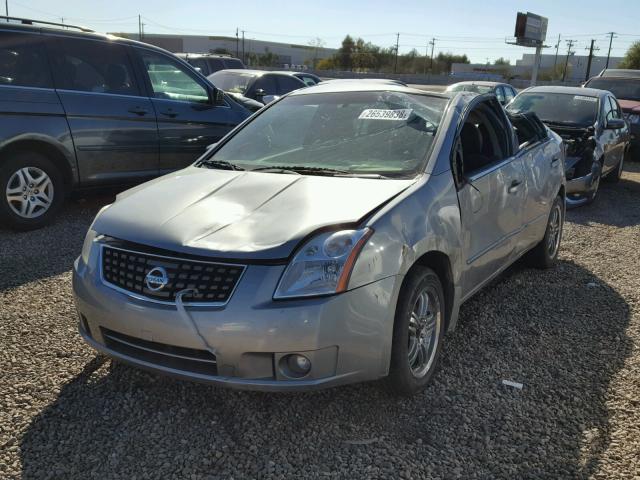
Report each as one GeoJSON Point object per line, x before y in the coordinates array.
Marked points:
{"type": "Point", "coordinates": [630, 105]}
{"type": "Point", "coordinates": [240, 215]}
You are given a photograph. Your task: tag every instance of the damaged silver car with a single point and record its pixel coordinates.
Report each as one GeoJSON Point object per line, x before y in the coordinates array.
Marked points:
{"type": "Point", "coordinates": [594, 131]}
{"type": "Point", "coordinates": [329, 239]}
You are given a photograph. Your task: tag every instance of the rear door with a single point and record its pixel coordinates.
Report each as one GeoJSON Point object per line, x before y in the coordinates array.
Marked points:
{"type": "Point", "coordinates": [620, 135]}
{"type": "Point", "coordinates": [188, 120]}
{"type": "Point", "coordinates": [492, 196]}
{"type": "Point", "coordinates": [112, 122]}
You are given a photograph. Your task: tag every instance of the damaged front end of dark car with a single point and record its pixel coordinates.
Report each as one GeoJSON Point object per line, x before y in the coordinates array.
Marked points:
{"type": "Point", "coordinates": [583, 169]}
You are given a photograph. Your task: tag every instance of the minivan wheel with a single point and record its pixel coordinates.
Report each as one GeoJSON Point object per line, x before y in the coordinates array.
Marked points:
{"type": "Point", "coordinates": [31, 189]}
{"type": "Point", "coordinates": [417, 332]}
{"type": "Point", "coordinates": [545, 253]}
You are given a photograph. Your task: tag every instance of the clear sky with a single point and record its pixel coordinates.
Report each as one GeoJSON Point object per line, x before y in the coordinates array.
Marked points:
{"type": "Point", "coordinates": [475, 27]}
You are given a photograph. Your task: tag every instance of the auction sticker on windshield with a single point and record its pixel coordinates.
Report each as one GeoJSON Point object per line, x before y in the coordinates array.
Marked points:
{"type": "Point", "coordinates": [585, 99]}
{"type": "Point", "coordinates": [380, 114]}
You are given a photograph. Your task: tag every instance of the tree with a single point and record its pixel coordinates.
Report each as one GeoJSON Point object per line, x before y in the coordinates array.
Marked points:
{"type": "Point", "coordinates": [502, 61]}
{"type": "Point", "coordinates": [345, 53]}
{"type": "Point", "coordinates": [316, 43]}
{"type": "Point", "coordinates": [632, 57]}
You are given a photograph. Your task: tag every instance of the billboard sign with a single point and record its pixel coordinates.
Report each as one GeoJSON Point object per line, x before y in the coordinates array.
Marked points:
{"type": "Point", "coordinates": [531, 29]}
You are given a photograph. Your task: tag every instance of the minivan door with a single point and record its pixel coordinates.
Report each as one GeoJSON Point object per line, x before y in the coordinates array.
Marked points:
{"type": "Point", "coordinates": [112, 122]}
{"type": "Point", "coordinates": [188, 120]}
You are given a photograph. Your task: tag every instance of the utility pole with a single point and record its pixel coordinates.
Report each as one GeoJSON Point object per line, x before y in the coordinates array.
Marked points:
{"type": "Point", "coordinates": [243, 58]}
{"type": "Point", "coordinates": [237, 44]}
{"type": "Point", "coordinates": [426, 55]}
{"type": "Point", "coordinates": [555, 60]}
{"type": "Point", "coordinates": [611, 36]}
{"type": "Point", "coordinates": [591, 50]}
{"type": "Point", "coordinates": [395, 65]}
{"type": "Point", "coordinates": [140, 27]}
{"type": "Point", "coordinates": [6, 7]}
{"type": "Point", "coordinates": [566, 63]}
{"type": "Point", "coordinates": [433, 44]}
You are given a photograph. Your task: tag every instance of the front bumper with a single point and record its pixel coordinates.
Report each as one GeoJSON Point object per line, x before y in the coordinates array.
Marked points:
{"type": "Point", "coordinates": [346, 337]}
{"type": "Point", "coordinates": [579, 189]}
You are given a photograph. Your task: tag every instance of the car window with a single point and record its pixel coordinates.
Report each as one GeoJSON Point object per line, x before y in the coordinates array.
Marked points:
{"type": "Point", "coordinates": [23, 61]}
{"type": "Point", "coordinates": [608, 110]}
{"type": "Point", "coordinates": [308, 81]}
{"type": "Point", "coordinates": [92, 66]}
{"type": "Point", "coordinates": [500, 94]}
{"type": "Point", "coordinates": [622, 88]}
{"type": "Point", "coordinates": [508, 94]}
{"type": "Point", "coordinates": [482, 139]}
{"type": "Point", "coordinates": [233, 63]}
{"type": "Point", "coordinates": [388, 133]}
{"type": "Point", "coordinates": [558, 108]}
{"type": "Point", "coordinates": [171, 80]}
{"type": "Point", "coordinates": [268, 84]}
{"type": "Point", "coordinates": [200, 64]}
{"type": "Point", "coordinates": [233, 82]}
{"type": "Point", "coordinates": [216, 64]}
{"type": "Point", "coordinates": [616, 112]}
{"type": "Point", "coordinates": [288, 84]}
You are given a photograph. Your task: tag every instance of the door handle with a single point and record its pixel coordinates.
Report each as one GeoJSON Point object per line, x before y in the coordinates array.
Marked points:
{"type": "Point", "coordinates": [138, 111]}
{"type": "Point", "coordinates": [169, 113]}
{"type": "Point", "coordinates": [513, 188]}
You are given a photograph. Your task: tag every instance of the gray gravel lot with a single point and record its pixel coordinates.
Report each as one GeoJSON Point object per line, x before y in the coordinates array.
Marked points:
{"type": "Point", "coordinates": [571, 335]}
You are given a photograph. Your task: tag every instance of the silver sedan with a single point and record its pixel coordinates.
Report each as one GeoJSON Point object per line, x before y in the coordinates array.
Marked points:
{"type": "Point", "coordinates": [329, 239]}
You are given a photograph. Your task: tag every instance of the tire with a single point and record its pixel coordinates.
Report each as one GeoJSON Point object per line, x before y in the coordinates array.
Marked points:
{"type": "Point", "coordinates": [545, 253]}
{"type": "Point", "coordinates": [591, 196]}
{"type": "Point", "coordinates": [418, 331]}
{"type": "Point", "coordinates": [614, 176]}
{"type": "Point", "coordinates": [34, 176]}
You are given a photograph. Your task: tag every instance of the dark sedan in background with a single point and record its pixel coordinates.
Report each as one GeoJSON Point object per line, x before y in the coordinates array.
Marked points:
{"type": "Point", "coordinates": [625, 85]}
{"type": "Point", "coordinates": [255, 88]}
{"type": "Point", "coordinates": [594, 131]}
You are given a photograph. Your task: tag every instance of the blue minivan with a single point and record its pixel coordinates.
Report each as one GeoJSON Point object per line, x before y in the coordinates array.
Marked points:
{"type": "Point", "coordinates": [80, 109]}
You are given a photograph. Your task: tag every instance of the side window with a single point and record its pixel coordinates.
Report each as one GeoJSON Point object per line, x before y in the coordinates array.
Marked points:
{"type": "Point", "coordinates": [608, 110]}
{"type": "Point", "coordinates": [93, 66]}
{"type": "Point", "coordinates": [200, 65]}
{"type": "Point", "coordinates": [508, 94]}
{"type": "Point", "coordinates": [170, 80]}
{"type": "Point", "coordinates": [615, 108]}
{"type": "Point", "coordinates": [287, 84]}
{"type": "Point", "coordinates": [216, 64]}
{"type": "Point", "coordinates": [482, 139]}
{"type": "Point", "coordinates": [268, 84]}
{"type": "Point", "coordinates": [23, 61]}
{"type": "Point", "coordinates": [500, 94]}
{"type": "Point", "coordinates": [308, 81]}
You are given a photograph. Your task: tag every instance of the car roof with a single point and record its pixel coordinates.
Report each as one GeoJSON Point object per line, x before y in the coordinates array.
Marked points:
{"type": "Point", "coordinates": [482, 83]}
{"type": "Point", "coordinates": [206, 55]}
{"type": "Point", "coordinates": [584, 91]}
{"type": "Point", "coordinates": [619, 73]}
{"type": "Point", "coordinates": [338, 87]}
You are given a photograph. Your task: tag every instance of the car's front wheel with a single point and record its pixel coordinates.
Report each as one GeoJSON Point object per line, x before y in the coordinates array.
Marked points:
{"type": "Point", "coordinates": [418, 331]}
{"type": "Point", "coordinates": [31, 189]}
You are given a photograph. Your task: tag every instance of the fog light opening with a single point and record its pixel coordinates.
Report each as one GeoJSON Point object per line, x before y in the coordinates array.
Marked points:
{"type": "Point", "coordinates": [295, 365]}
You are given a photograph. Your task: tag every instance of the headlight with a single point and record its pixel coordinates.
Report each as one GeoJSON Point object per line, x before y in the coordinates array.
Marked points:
{"type": "Point", "coordinates": [88, 243]}
{"type": "Point", "coordinates": [323, 265]}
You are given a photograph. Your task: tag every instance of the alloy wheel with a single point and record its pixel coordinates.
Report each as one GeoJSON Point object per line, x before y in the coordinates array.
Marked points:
{"type": "Point", "coordinates": [424, 331]}
{"type": "Point", "coordinates": [555, 230]}
{"type": "Point", "coordinates": [29, 192]}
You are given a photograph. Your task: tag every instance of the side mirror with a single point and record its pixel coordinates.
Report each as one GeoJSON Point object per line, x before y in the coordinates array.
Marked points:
{"type": "Point", "coordinates": [615, 124]}
{"type": "Point", "coordinates": [218, 97]}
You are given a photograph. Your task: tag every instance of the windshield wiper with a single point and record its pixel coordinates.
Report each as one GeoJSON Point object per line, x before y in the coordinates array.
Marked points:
{"type": "Point", "coordinates": [300, 169]}
{"type": "Point", "coordinates": [220, 164]}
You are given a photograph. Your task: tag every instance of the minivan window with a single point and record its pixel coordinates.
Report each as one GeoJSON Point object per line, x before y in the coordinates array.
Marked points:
{"type": "Point", "coordinates": [558, 108]}
{"type": "Point", "coordinates": [92, 66]}
{"type": "Point", "coordinates": [233, 63]}
{"type": "Point", "coordinates": [23, 61]}
{"type": "Point", "coordinates": [387, 133]}
{"type": "Point", "coordinates": [170, 80]}
{"type": "Point", "coordinates": [233, 82]}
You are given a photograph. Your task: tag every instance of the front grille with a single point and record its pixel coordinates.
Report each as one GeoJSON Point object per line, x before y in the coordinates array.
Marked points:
{"type": "Point", "coordinates": [162, 354]}
{"type": "Point", "coordinates": [127, 270]}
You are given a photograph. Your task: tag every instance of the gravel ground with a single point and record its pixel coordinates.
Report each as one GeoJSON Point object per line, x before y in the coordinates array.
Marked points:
{"type": "Point", "coordinates": [571, 335]}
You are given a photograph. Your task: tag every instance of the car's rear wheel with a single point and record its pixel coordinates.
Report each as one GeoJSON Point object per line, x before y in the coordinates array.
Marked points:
{"type": "Point", "coordinates": [545, 253]}
{"type": "Point", "coordinates": [418, 330]}
{"type": "Point", "coordinates": [31, 189]}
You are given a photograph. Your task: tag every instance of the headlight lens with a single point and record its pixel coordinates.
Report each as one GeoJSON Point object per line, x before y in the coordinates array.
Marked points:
{"type": "Point", "coordinates": [323, 265]}
{"type": "Point", "coordinates": [86, 246]}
